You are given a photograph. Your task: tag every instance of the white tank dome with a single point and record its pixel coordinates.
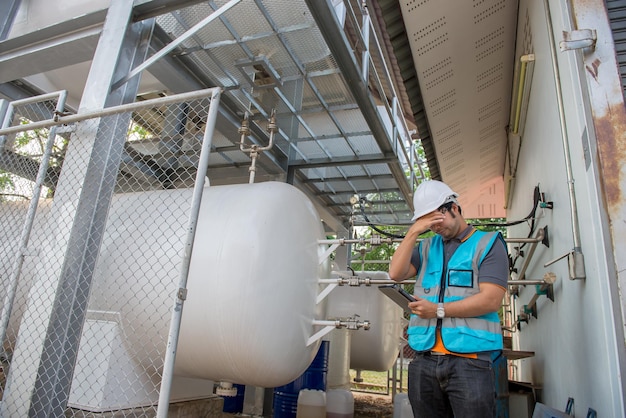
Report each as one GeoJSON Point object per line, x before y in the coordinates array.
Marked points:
{"type": "Point", "coordinates": [377, 348]}
{"type": "Point", "coordinates": [253, 283]}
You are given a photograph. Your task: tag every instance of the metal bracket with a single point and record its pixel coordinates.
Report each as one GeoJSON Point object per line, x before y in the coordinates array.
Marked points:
{"type": "Point", "coordinates": [522, 317]}
{"type": "Point", "coordinates": [328, 252]}
{"type": "Point", "coordinates": [578, 39]}
{"type": "Point", "coordinates": [548, 291]}
{"type": "Point", "coordinates": [549, 263]}
{"type": "Point", "coordinates": [325, 292]}
{"type": "Point", "coordinates": [575, 262]}
{"type": "Point", "coordinates": [530, 310]}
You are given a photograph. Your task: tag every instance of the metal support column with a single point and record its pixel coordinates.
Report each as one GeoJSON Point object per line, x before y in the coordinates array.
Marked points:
{"type": "Point", "coordinates": [52, 387]}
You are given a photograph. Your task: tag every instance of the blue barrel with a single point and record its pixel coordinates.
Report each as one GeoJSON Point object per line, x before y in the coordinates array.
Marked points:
{"type": "Point", "coordinates": [234, 404]}
{"type": "Point", "coordinates": [285, 405]}
{"type": "Point", "coordinates": [285, 402]}
{"type": "Point", "coordinates": [500, 367]}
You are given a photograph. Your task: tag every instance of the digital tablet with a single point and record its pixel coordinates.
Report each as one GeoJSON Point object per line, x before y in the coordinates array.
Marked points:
{"type": "Point", "coordinates": [398, 295]}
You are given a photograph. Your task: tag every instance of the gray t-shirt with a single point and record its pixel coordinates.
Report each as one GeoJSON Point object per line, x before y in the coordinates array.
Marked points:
{"type": "Point", "coordinates": [494, 268]}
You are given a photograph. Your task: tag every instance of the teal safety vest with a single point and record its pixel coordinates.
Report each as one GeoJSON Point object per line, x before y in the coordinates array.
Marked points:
{"type": "Point", "coordinates": [458, 281]}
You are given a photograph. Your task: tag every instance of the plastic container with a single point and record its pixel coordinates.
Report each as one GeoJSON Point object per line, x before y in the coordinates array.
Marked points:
{"type": "Point", "coordinates": [311, 404]}
{"type": "Point", "coordinates": [339, 403]}
{"type": "Point", "coordinates": [402, 406]}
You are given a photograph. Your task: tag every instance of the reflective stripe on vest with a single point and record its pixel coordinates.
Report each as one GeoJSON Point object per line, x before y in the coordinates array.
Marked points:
{"type": "Point", "coordinates": [460, 335]}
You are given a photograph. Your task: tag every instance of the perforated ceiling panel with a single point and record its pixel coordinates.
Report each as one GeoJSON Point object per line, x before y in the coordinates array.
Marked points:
{"type": "Point", "coordinates": [463, 52]}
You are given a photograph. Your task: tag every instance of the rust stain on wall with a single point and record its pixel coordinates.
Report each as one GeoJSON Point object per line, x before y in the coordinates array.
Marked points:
{"type": "Point", "coordinates": [611, 140]}
{"type": "Point", "coordinates": [593, 68]}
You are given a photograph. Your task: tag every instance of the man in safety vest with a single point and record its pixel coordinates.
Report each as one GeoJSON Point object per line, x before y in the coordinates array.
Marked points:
{"type": "Point", "coordinates": [460, 279]}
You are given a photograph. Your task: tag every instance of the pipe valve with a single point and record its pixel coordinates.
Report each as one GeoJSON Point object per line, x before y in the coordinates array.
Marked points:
{"type": "Point", "coordinates": [353, 323]}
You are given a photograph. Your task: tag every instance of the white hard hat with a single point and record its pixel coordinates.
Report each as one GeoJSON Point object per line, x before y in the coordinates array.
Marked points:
{"type": "Point", "coordinates": [429, 195]}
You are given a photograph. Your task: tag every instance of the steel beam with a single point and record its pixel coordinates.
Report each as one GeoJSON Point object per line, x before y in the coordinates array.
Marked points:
{"type": "Point", "coordinates": [326, 19]}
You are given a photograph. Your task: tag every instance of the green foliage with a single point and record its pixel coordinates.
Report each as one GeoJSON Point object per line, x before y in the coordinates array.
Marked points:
{"type": "Point", "coordinates": [137, 132]}
{"type": "Point", "coordinates": [32, 144]}
{"type": "Point", "coordinates": [6, 182]}
{"type": "Point", "coordinates": [422, 157]}
{"type": "Point", "coordinates": [490, 224]}
{"type": "Point", "coordinates": [26, 138]}
{"type": "Point", "coordinates": [373, 253]}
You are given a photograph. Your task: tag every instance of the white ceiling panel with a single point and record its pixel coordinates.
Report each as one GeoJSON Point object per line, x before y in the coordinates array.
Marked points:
{"type": "Point", "coordinates": [463, 52]}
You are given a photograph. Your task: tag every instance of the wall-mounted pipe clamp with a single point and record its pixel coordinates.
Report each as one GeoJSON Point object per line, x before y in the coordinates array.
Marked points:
{"type": "Point", "coordinates": [544, 289]}
{"type": "Point", "coordinates": [579, 39]}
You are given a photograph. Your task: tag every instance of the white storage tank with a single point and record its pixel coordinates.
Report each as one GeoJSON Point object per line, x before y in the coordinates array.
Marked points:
{"type": "Point", "coordinates": [251, 291]}
{"type": "Point", "coordinates": [377, 348]}
{"type": "Point", "coordinates": [252, 286]}
{"type": "Point", "coordinates": [12, 219]}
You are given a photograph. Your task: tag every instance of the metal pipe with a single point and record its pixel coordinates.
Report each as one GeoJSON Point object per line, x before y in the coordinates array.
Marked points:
{"type": "Point", "coordinates": [370, 261]}
{"type": "Point", "coordinates": [108, 111]}
{"type": "Point", "coordinates": [8, 115]}
{"type": "Point", "coordinates": [368, 282]}
{"type": "Point", "coordinates": [526, 282]}
{"type": "Point", "coordinates": [244, 131]}
{"type": "Point", "coordinates": [350, 323]}
{"type": "Point", "coordinates": [40, 98]}
{"type": "Point", "coordinates": [412, 158]}
{"type": "Point", "coordinates": [181, 293]}
{"type": "Point", "coordinates": [365, 29]}
{"type": "Point", "coordinates": [254, 149]}
{"type": "Point", "coordinates": [577, 263]}
{"type": "Point", "coordinates": [5, 106]}
{"type": "Point", "coordinates": [357, 282]}
{"type": "Point", "coordinates": [379, 240]}
{"type": "Point", "coordinates": [531, 252]}
{"type": "Point", "coordinates": [16, 268]}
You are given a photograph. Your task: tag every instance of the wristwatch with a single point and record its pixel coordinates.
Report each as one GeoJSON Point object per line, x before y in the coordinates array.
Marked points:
{"type": "Point", "coordinates": [441, 313]}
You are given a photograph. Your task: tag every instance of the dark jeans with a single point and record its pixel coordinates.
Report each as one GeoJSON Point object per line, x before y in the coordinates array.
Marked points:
{"type": "Point", "coordinates": [451, 386]}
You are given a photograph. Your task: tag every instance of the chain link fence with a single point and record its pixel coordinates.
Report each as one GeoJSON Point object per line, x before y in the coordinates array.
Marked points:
{"type": "Point", "coordinates": [377, 258]}
{"type": "Point", "coordinates": [95, 213]}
